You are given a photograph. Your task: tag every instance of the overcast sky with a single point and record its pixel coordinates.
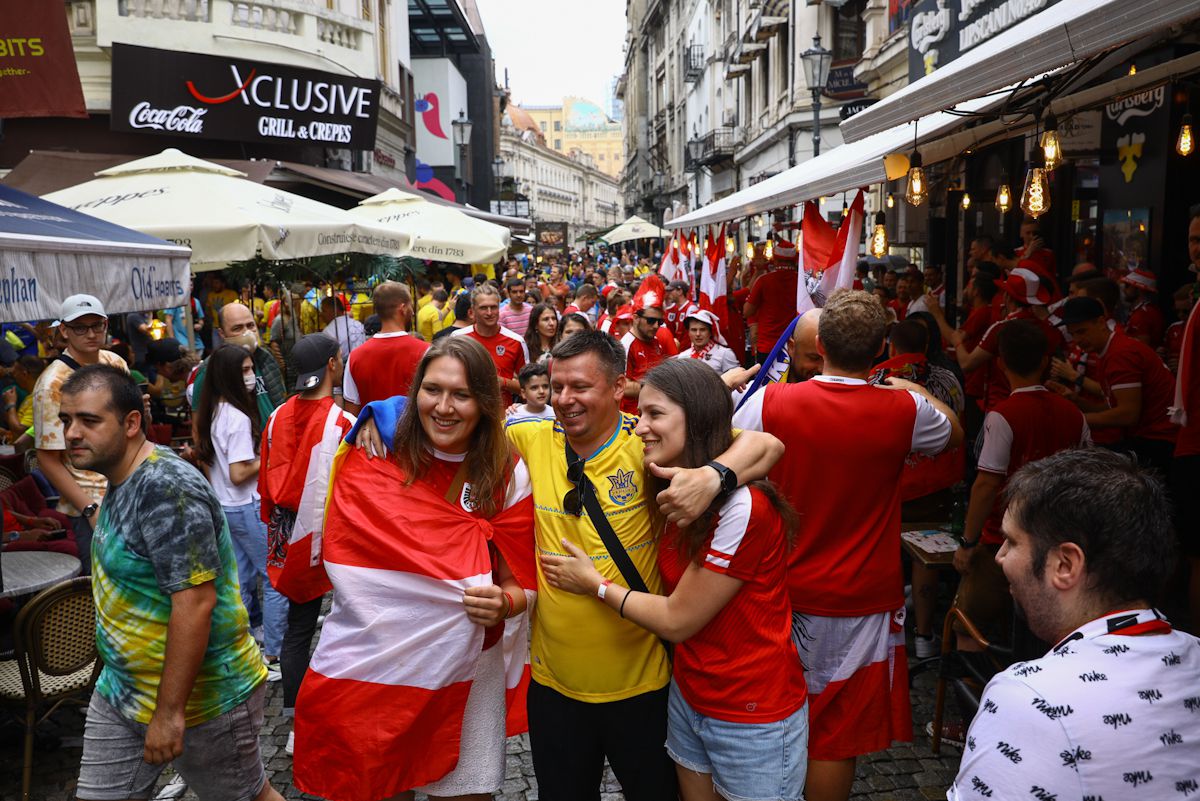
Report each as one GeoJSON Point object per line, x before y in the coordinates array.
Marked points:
{"type": "Point", "coordinates": [555, 48]}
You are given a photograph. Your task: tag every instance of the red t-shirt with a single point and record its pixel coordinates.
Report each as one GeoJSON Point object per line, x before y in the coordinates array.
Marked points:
{"type": "Point", "coordinates": [675, 315]}
{"type": "Point", "coordinates": [998, 388]}
{"type": "Point", "coordinates": [1173, 340]}
{"type": "Point", "coordinates": [382, 367]}
{"type": "Point", "coordinates": [742, 666]}
{"type": "Point", "coordinates": [1146, 320]}
{"type": "Point", "coordinates": [975, 326]}
{"type": "Point", "coordinates": [507, 349]}
{"type": "Point", "coordinates": [641, 356]}
{"type": "Point", "coordinates": [774, 296]}
{"type": "Point", "coordinates": [1030, 424]}
{"type": "Point", "coordinates": [846, 443]}
{"type": "Point", "coordinates": [1125, 363]}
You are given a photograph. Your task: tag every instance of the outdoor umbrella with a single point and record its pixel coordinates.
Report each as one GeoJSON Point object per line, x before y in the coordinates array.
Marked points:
{"type": "Point", "coordinates": [634, 228]}
{"type": "Point", "coordinates": [438, 232]}
{"type": "Point", "coordinates": [48, 252]}
{"type": "Point", "coordinates": [221, 216]}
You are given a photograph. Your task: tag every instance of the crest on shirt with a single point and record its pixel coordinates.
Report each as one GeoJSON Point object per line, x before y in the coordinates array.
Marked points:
{"type": "Point", "coordinates": [499, 350]}
{"type": "Point", "coordinates": [623, 489]}
{"type": "Point", "coordinates": [467, 499]}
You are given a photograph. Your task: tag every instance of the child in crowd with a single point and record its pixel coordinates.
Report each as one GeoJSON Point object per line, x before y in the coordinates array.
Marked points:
{"type": "Point", "coordinates": [534, 379]}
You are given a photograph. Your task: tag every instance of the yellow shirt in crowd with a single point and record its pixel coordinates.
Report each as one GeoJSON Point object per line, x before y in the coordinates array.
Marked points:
{"type": "Point", "coordinates": [580, 647]}
{"type": "Point", "coordinates": [431, 319]}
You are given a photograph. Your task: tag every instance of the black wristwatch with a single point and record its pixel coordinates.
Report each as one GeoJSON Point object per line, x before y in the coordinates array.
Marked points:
{"type": "Point", "coordinates": [962, 543]}
{"type": "Point", "coordinates": [89, 510]}
{"type": "Point", "coordinates": [729, 480]}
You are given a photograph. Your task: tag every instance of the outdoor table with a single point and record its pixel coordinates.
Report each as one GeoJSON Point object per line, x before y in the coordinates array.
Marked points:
{"type": "Point", "coordinates": [27, 572]}
{"type": "Point", "coordinates": [929, 558]}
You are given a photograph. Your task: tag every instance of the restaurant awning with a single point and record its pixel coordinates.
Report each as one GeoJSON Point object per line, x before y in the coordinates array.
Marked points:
{"type": "Point", "coordinates": [45, 171]}
{"type": "Point", "coordinates": [841, 169]}
{"type": "Point", "coordinates": [1062, 34]}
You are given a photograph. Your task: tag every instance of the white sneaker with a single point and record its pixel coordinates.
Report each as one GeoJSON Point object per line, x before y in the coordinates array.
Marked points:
{"type": "Point", "coordinates": [926, 647]}
{"type": "Point", "coordinates": [274, 672]}
{"type": "Point", "coordinates": [291, 743]}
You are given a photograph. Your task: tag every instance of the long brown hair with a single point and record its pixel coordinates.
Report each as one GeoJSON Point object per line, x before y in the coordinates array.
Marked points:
{"type": "Point", "coordinates": [223, 382]}
{"type": "Point", "coordinates": [533, 337]}
{"type": "Point", "coordinates": [708, 412]}
{"type": "Point", "coordinates": [489, 461]}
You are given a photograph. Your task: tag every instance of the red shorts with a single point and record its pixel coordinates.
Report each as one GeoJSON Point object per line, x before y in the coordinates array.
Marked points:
{"type": "Point", "coordinates": [857, 677]}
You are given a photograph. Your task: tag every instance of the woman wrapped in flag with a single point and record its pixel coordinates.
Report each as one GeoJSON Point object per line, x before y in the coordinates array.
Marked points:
{"type": "Point", "coordinates": [430, 553]}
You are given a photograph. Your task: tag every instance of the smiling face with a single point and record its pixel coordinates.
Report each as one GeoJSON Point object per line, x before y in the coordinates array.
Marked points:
{"type": "Point", "coordinates": [586, 400]}
{"type": "Point", "coordinates": [1091, 335]}
{"type": "Point", "coordinates": [487, 314]}
{"type": "Point", "coordinates": [662, 427]}
{"type": "Point", "coordinates": [447, 410]}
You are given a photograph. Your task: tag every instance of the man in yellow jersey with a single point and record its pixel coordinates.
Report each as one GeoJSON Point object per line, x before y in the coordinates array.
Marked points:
{"type": "Point", "coordinates": [599, 684]}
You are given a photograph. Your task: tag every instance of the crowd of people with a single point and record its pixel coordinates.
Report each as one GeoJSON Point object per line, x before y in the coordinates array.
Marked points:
{"type": "Point", "coordinates": [558, 502]}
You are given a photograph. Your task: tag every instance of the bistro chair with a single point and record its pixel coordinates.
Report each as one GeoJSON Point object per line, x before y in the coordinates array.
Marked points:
{"type": "Point", "coordinates": [7, 479]}
{"type": "Point", "coordinates": [56, 659]}
{"type": "Point", "coordinates": [967, 673]}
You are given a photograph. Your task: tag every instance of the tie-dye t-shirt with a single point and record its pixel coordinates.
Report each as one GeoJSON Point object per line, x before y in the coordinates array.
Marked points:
{"type": "Point", "coordinates": [161, 531]}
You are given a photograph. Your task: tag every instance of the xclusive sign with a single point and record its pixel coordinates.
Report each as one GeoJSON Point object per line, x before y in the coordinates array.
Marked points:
{"type": "Point", "coordinates": [942, 30]}
{"type": "Point", "coordinates": [246, 100]}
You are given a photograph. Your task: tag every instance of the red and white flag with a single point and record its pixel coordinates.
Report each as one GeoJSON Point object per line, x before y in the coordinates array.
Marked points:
{"type": "Point", "coordinates": [674, 263]}
{"type": "Point", "coordinates": [381, 707]}
{"type": "Point", "coordinates": [712, 278]}
{"type": "Point", "coordinates": [839, 267]}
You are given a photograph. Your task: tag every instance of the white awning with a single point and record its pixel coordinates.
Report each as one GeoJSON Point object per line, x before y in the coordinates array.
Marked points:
{"type": "Point", "coordinates": [840, 169]}
{"type": "Point", "coordinates": [1062, 34]}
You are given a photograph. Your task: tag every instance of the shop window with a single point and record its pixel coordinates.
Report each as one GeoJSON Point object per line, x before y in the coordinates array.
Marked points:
{"type": "Point", "coordinates": [849, 32]}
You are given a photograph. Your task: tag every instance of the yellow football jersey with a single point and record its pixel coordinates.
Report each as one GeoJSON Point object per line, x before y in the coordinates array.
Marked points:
{"type": "Point", "coordinates": [580, 647]}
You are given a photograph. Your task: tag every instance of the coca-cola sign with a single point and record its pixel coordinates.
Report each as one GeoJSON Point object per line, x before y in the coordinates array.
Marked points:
{"type": "Point", "coordinates": [247, 100]}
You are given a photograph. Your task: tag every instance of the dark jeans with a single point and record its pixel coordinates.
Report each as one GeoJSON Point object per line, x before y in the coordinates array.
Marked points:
{"type": "Point", "coordinates": [571, 738]}
{"type": "Point", "coordinates": [83, 541]}
{"type": "Point", "coordinates": [297, 643]}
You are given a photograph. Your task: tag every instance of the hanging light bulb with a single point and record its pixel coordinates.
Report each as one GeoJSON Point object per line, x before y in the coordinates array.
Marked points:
{"type": "Point", "coordinates": [1133, 69]}
{"type": "Point", "coordinates": [917, 189]}
{"type": "Point", "coordinates": [1051, 146]}
{"type": "Point", "coordinates": [891, 201]}
{"type": "Point", "coordinates": [1003, 195]}
{"type": "Point", "coordinates": [845, 208]}
{"type": "Point", "coordinates": [1186, 142]}
{"type": "Point", "coordinates": [769, 248]}
{"type": "Point", "coordinates": [1035, 197]}
{"type": "Point", "coordinates": [966, 200]}
{"type": "Point", "coordinates": [749, 251]}
{"type": "Point", "coordinates": [730, 247]}
{"type": "Point", "coordinates": [878, 245]}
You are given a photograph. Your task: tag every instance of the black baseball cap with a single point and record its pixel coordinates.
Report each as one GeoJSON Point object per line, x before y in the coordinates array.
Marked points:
{"type": "Point", "coordinates": [311, 357]}
{"type": "Point", "coordinates": [1080, 310]}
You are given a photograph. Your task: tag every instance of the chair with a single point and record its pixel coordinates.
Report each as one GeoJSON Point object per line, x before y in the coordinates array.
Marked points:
{"type": "Point", "coordinates": [7, 479]}
{"type": "Point", "coordinates": [967, 673]}
{"type": "Point", "coordinates": [56, 659]}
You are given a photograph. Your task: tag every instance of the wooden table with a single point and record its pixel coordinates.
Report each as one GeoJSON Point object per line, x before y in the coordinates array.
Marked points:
{"type": "Point", "coordinates": [928, 558]}
{"type": "Point", "coordinates": [27, 572]}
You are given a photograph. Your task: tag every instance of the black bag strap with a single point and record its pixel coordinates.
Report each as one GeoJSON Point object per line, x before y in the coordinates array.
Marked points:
{"type": "Point", "coordinates": [68, 361]}
{"type": "Point", "coordinates": [591, 505]}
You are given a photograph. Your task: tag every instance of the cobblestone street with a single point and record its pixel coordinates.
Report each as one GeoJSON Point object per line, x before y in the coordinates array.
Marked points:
{"type": "Point", "coordinates": [908, 772]}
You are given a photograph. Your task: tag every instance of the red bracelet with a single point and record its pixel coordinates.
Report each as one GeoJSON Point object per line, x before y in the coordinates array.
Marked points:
{"type": "Point", "coordinates": [509, 613]}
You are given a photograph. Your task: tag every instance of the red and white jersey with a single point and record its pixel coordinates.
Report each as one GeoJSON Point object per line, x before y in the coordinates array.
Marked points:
{"type": "Point", "coordinates": [1126, 363]}
{"type": "Point", "coordinates": [1031, 424]}
{"type": "Point", "coordinates": [1147, 320]}
{"type": "Point", "coordinates": [382, 367]}
{"type": "Point", "coordinates": [675, 315]}
{"type": "Point", "coordinates": [846, 444]}
{"type": "Point", "coordinates": [741, 667]}
{"type": "Point", "coordinates": [641, 356]}
{"type": "Point", "coordinates": [507, 349]}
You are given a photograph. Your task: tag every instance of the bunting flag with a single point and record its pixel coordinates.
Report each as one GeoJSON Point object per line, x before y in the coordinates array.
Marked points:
{"type": "Point", "coordinates": [674, 262]}
{"type": "Point", "coordinates": [819, 239]}
{"type": "Point", "coordinates": [839, 267]}
{"type": "Point", "coordinates": [694, 254]}
{"type": "Point", "coordinates": [296, 462]}
{"type": "Point", "coordinates": [381, 707]}
{"type": "Point", "coordinates": [713, 287]}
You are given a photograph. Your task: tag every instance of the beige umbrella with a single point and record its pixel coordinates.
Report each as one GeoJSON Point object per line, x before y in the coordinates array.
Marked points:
{"type": "Point", "coordinates": [438, 232]}
{"type": "Point", "coordinates": [634, 228]}
{"type": "Point", "coordinates": [221, 216]}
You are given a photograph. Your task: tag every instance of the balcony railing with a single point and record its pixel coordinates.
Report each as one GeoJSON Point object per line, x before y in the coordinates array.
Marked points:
{"type": "Point", "coordinates": [694, 66]}
{"type": "Point", "coordinates": [186, 10]}
{"type": "Point", "coordinates": [718, 146]}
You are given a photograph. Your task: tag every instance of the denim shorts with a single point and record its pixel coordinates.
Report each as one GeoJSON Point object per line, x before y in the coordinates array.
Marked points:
{"type": "Point", "coordinates": [748, 761]}
{"type": "Point", "coordinates": [220, 759]}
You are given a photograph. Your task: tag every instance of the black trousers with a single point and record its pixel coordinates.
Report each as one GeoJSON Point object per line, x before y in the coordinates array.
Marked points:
{"type": "Point", "coordinates": [297, 645]}
{"type": "Point", "coordinates": [571, 738]}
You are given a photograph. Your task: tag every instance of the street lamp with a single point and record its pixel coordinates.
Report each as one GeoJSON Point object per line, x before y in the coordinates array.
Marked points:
{"type": "Point", "coordinates": [497, 165]}
{"type": "Point", "coordinates": [462, 138]}
{"type": "Point", "coordinates": [695, 149]}
{"type": "Point", "coordinates": [816, 74]}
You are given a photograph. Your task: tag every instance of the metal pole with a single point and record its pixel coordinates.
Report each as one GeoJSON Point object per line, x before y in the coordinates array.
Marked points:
{"type": "Point", "coordinates": [816, 93]}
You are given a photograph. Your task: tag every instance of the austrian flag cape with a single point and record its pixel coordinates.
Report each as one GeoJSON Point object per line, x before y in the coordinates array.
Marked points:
{"type": "Point", "coordinates": [381, 708]}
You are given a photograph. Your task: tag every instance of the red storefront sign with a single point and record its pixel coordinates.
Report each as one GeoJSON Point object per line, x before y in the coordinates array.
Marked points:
{"type": "Point", "coordinates": [38, 77]}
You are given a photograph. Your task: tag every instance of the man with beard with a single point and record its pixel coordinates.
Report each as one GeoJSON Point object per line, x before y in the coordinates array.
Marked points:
{"type": "Point", "coordinates": [1112, 709]}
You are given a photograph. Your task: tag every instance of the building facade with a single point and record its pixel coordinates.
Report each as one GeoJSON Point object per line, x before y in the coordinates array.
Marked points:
{"type": "Point", "coordinates": [558, 187]}
{"type": "Point", "coordinates": [581, 125]}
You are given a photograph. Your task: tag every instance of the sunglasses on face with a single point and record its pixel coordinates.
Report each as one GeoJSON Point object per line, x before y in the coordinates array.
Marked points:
{"type": "Point", "coordinates": [573, 500]}
{"type": "Point", "coordinates": [651, 320]}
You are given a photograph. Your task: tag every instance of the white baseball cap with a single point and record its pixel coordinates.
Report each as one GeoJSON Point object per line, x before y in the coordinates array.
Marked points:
{"type": "Point", "coordinates": [78, 306]}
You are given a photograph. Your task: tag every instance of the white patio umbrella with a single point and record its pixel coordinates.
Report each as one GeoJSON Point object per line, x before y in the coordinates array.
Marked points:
{"type": "Point", "coordinates": [634, 228]}
{"type": "Point", "coordinates": [438, 232]}
{"type": "Point", "coordinates": [221, 216]}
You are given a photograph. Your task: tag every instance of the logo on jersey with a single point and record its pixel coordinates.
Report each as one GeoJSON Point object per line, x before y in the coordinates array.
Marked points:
{"type": "Point", "coordinates": [623, 489]}
{"type": "Point", "coordinates": [467, 498]}
{"type": "Point", "coordinates": [499, 350]}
